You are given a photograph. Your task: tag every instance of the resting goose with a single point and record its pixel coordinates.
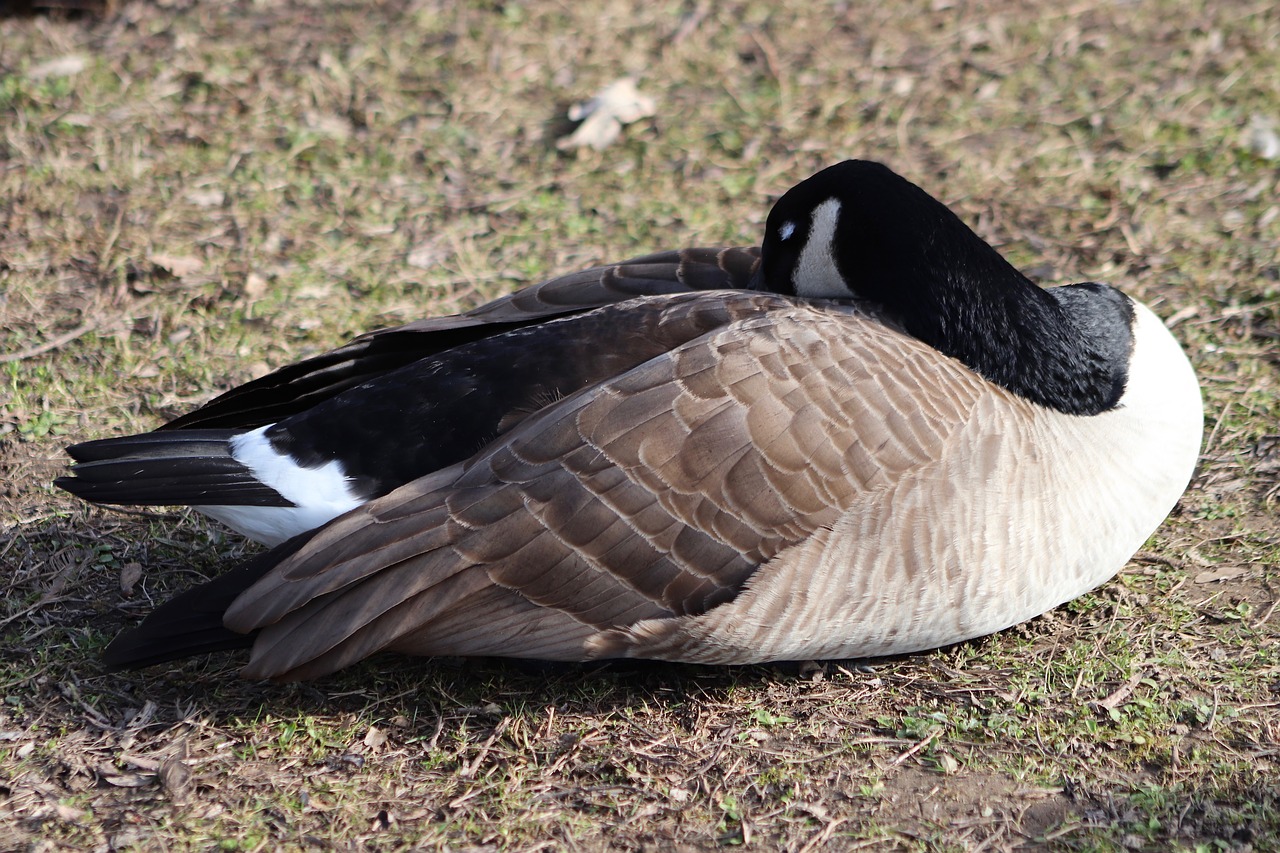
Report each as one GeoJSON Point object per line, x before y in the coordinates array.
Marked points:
{"type": "Point", "coordinates": [884, 440]}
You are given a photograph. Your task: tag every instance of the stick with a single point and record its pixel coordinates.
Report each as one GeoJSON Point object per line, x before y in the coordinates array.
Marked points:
{"type": "Point", "coordinates": [51, 344]}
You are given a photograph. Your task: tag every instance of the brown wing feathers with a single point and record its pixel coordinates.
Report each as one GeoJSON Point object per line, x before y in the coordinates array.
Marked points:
{"type": "Point", "coordinates": [663, 273]}
{"type": "Point", "coordinates": [654, 496]}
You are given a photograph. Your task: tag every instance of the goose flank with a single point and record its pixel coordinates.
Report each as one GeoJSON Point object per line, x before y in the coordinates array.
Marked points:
{"type": "Point", "coordinates": [285, 453]}
{"type": "Point", "coordinates": [873, 437]}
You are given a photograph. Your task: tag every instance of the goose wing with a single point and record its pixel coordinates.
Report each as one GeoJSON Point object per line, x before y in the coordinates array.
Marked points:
{"type": "Point", "coordinates": [658, 494]}
{"type": "Point", "coordinates": [298, 387]}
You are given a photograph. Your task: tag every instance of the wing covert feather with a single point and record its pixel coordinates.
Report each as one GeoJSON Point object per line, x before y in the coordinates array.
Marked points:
{"type": "Point", "coordinates": [300, 386]}
{"type": "Point", "coordinates": [656, 494]}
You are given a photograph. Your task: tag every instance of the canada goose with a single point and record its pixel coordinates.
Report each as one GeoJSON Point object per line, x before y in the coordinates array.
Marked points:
{"type": "Point", "coordinates": [893, 442]}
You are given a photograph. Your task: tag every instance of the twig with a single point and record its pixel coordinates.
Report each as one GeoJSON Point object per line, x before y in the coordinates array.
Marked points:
{"type": "Point", "coordinates": [470, 770]}
{"type": "Point", "coordinates": [823, 837]}
{"type": "Point", "coordinates": [1213, 434]}
{"type": "Point", "coordinates": [1265, 616]}
{"type": "Point", "coordinates": [51, 344]}
{"type": "Point", "coordinates": [44, 601]}
{"type": "Point", "coordinates": [1150, 557]}
{"type": "Point", "coordinates": [691, 22]}
{"type": "Point", "coordinates": [1122, 692]}
{"type": "Point", "coordinates": [919, 746]}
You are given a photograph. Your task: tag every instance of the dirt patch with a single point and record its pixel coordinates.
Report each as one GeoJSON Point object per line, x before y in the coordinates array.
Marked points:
{"type": "Point", "coordinates": [976, 808]}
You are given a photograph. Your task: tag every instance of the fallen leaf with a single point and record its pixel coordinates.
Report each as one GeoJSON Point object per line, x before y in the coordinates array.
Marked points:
{"type": "Point", "coordinates": [1223, 573]}
{"type": "Point", "coordinates": [255, 286]}
{"type": "Point", "coordinates": [205, 198]}
{"type": "Point", "coordinates": [64, 66]}
{"type": "Point", "coordinates": [130, 574]}
{"type": "Point", "coordinates": [425, 257]}
{"type": "Point", "coordinates": [375, 738]}
{"type": "Point", "coordinates": [179, 266]}
{"type": "Point", "coordinates": [1261, 137]}
{"type": "Point", "coordinates": [175, 777]}
{"type": "Point", "coordinates": [67, 813]}
{"type": "Point", "coordinates": [603, 116]}
{"type": "Point", "coordinates": [128, 780]}
{"type": "Point", "coordinates": [334, 126]}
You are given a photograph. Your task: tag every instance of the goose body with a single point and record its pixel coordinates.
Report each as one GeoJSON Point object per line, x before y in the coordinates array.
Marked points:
{"type": "Point", "coordinates": [879, 438]}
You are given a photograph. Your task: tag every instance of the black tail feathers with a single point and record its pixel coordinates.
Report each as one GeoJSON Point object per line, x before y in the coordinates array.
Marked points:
{"type": "Point", "coordinates": [190, 624]}
{"type": "Point", "coordinates": [178, 467]}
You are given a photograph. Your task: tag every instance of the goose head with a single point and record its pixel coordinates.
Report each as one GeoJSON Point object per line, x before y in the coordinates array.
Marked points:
{"type": "Point", "coordinates": [857, 230]}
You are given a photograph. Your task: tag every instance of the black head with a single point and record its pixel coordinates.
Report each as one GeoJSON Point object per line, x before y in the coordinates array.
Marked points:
{"type": "Point", "coordinates": [857, 229]}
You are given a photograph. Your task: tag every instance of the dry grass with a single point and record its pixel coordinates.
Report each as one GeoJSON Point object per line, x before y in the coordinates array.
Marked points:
{"type": "Point", "coordinates": [192, 192]}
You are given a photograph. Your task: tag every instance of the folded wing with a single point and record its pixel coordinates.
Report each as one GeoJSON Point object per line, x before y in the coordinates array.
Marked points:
{"type": "Point", "coordinates": [298, 387]}
{"type": "Point", "coordinates": [658, 494]}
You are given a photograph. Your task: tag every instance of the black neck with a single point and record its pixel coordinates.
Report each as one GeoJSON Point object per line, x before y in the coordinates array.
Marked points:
{"type": "Point", "coordinates": [1067, 349]}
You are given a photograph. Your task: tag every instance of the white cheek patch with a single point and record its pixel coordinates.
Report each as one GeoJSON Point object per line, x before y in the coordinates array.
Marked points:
{"type": "Point", "coordinates": [816, 275]}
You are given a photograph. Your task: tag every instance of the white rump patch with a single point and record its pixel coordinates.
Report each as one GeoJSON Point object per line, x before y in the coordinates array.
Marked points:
{"type": "Point", "coordinates": [318, 494]}
{"type": "Point", "coordinates": [816, 275]}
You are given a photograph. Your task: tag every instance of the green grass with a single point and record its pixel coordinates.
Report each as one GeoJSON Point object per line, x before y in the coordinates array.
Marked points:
{"type": "Point", "coordinates": [225, 187]}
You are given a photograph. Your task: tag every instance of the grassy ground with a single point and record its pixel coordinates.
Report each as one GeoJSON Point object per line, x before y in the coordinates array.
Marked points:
{"type": "Point", "coordinates": [193, 192]}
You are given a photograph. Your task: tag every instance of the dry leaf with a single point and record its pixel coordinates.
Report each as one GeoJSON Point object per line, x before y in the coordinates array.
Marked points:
{"type": "Point", "coordinates": [425, 257]}
{"type": "Point", "coordinates": [175, 777]}
{"type": "Point", "coordinates": [179, 266]}
{"type": "Point", "coordinates": [604, 115]}
{"type": "Point", "coordinates": [1261, 137]}
{"type": "Point", "coordinates": [128, 780]}
{"type": "Point", "coordinates": [375, 738]}
{"type": "Point", "coordinates": [328, 124]}
{"type": "Point", "coordinates": [68, 813]}
{"type": "Point", "coordinates": [1222, 573]}
{"type": "Point", "coordinates": [64, 66]}
{"type": "Point", "coordinates": [205, 198]}
{"type": "Point", "coordinates": [255, 286]}
{"type": "Point", "coordinates": [130, 574]}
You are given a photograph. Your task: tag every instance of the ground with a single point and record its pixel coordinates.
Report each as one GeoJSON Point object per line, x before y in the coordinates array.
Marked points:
{"type": "Point", "coordinates": [194, 191]}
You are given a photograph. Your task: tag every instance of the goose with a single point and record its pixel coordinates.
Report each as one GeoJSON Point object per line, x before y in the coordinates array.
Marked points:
{"type": "Point", "coordinates": [874, 437]}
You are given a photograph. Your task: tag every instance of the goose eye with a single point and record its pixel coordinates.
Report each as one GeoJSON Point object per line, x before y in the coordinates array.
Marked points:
{"type": "Point", "coordinates": [787, 229]}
